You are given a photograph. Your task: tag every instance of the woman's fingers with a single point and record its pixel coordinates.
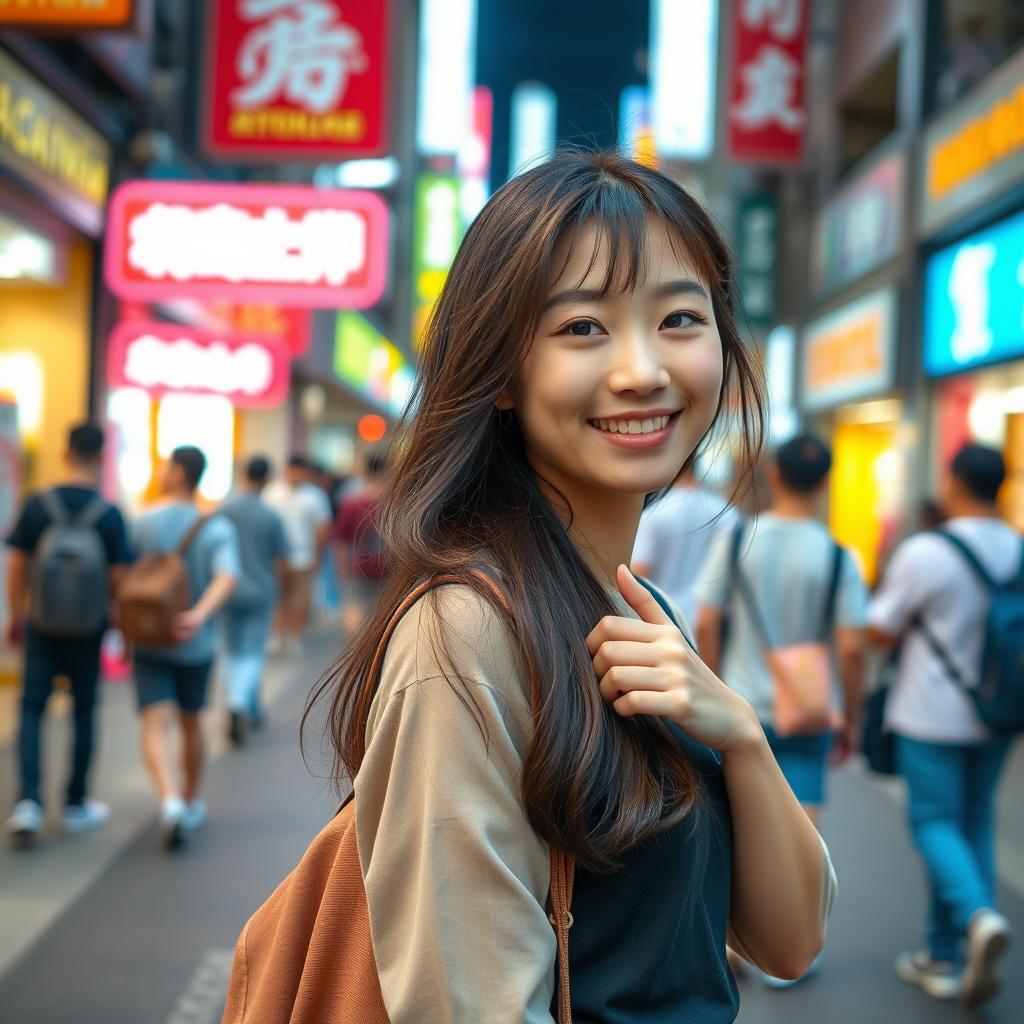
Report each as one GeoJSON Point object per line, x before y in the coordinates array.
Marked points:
{"type": "Point", "coordinates": [662, 703]}
{"type": "Point", "coordinates": [625, 652]}
{"type": "Point", "coordinates": [620, 679]}
{"type": "Point", "coordinates": [618, 627]}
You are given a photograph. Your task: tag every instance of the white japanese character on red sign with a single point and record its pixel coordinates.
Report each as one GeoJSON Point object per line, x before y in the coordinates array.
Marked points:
{"type": "Point", "coordinates": [302, 53]}
{"type": "Point", "coordinates": [769, 80]}
{"type": "Point", "coordinates": [784, 16]}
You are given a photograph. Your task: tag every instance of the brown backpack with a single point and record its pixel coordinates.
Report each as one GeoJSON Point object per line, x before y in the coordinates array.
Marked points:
{"type": "Point", "coordinates": [154, 591]}
{"type": "Point", "coordinates": [306, 956]}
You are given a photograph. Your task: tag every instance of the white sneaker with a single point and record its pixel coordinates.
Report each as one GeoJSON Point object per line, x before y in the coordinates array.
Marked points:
{"type": "Point", "coordinates": [194, 816]}
{"type": "Point", "coordinates": [939, 979]}
{"type": "Point", "coordinates": [83, 817]}
{"type": "Point", "coordinates": [988, 939]}
{"type": "Point", "coordinates": [26, 819]}
{"type": "Point", "coordinates": [172, 811]}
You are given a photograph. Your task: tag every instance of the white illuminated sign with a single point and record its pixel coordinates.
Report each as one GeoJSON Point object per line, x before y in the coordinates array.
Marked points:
{"type": "Point", "coordinates": [684, 45]}
{"type": "Point", "coordinates": [534, 110]}
{"type": "Point", "coordinates": [446, 74]}
{"type": "Point", "coordinates": [185, 366]}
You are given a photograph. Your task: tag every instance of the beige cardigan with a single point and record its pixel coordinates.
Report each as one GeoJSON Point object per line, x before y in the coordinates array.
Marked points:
{"type": "Point", "coordinates": [457, 883]}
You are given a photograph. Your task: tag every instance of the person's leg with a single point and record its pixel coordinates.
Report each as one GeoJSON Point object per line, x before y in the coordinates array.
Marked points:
{"type": "Point", "coordinates": [301, 598]}
{"type": "Point", "coordinates": [39, 670]}
{"type": "Point", "coordinates": [154, 687]}
{"type": "Point", "coordinates": [82, 667]}
{"type": "Point", "coordinates": [255, 642]}
{"type": "Point", "coordinates": [985, 764]}
{"type": "Point", "coordinates": [234, 671]}
{"type": "Point", "coordinates": [936, 789]}
{"type": "Point", "coordinates": [191, 683]}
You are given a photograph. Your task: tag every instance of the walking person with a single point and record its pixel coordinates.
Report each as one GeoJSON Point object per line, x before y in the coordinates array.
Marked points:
{"type": "Point", "coordinates": [248, 616]}
{"type": "Point", "coordinates": [785, 585]}
{"type": "Point", "coordinates": [359, 553]}
{"type": "Point", "coordinates": [540, 703]}
{"type": "Point", "coordinates": [171, 682]}
{"type": "Point", "coordinates": [934, 601]}
{"type": "Point", "coordinates": [66, 554]}
{"type": "Point", "coordinates": [674, 538]}
{"type": "Point", "coordinates": [306, 515]}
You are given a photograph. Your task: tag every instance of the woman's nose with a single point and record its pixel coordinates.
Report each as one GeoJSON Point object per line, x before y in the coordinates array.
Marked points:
{"type": "Point", "coordinates": [637, 367]}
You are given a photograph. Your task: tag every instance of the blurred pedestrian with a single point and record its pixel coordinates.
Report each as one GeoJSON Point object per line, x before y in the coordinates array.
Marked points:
{"type": "Point", "coordinates": [782, 583]}
{"type": "Point", "coordinates": [66, 554]}
{"type": "Point", "coordinates": [543, 702]}
{"type": "Point", "coordinates": [358, 549]}
{"type": "Point", "coordinates": [172, 681]}
{"type": "Point", "coordinates": [934, 600]}
{"type": "Point", "coordinates": [674, 537]}
{"type": "Point", "coordinates": [306, 515]}
{"type": "Point", "coordinates": [796, 607]}
{"type": "Point", "coordinates": [248, 616]}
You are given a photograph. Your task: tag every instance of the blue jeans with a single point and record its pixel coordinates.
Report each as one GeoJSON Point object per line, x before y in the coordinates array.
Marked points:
{"type": "Point", "coordinates": [951, 789]}
{"type": "Point", "coordinates": [46, 657]}
{"type": "Point", "coordinates": [246, 635]}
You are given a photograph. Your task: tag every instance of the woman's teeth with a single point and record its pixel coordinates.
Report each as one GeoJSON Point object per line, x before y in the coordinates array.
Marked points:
{"type": "Point", "coordinates": [648, 426]}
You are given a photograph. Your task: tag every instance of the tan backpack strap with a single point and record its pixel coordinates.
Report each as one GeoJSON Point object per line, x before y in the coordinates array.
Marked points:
{"type": "Point", "coordinates": [190, 536]}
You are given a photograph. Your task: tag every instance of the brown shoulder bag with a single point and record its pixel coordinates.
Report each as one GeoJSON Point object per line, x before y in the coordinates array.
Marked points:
{"type": "Point", "coordinates": [154, 591]}
{"type": "Point", "coordinates": [306, 956]}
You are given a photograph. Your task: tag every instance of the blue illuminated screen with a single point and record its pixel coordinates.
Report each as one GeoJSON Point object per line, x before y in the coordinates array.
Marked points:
{"type": "Point", "coordinates": [974, 300]}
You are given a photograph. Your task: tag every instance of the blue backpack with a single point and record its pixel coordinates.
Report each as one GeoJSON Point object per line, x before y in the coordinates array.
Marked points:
{"type": "Point", "coordinates": [999, 695]}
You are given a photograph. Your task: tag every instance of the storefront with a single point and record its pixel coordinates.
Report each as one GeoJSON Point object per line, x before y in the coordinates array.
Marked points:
{"type": "Point", "coordinates": [847, 388]}
{"type": "Point", "coordinates": [972, 226]}
{"type": "Point", "coordinates": [54, 173]}
{"type": "Point", "coordinates": [849, 372]}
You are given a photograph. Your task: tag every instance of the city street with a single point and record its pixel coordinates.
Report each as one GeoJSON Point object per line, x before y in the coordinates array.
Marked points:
{"type": "Point", "coordinates": [166, 959]}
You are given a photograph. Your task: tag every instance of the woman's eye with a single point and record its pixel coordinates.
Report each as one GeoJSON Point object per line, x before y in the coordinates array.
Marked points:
{"type": "Point", "coordinates": [674, 321]}
{"type": "Point", "coordinates": [581, 329]}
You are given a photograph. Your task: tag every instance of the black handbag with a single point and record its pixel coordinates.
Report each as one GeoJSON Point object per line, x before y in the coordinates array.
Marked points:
{"type": "Point", "coordinates": [877, 744]}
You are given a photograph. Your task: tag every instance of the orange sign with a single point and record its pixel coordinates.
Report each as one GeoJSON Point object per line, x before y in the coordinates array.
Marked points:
{"type": "Point", "coordinates": [848, 354]}
{"type": "Point", "coordinates": [68, 13]}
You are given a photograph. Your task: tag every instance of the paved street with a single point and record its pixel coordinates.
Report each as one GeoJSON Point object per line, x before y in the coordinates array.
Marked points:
{"type": "Point", "coordinates": [108, 929]}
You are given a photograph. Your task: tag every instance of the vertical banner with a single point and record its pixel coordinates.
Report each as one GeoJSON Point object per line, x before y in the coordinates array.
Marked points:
{"type": "Point", "coordinates": [302, 79]}
{"type": "Point", "coordinates": [437, 232]}
{"type": "Point", "coordinates": [758, 228]}
{"type": "Point", "coordinates": [767, 113]}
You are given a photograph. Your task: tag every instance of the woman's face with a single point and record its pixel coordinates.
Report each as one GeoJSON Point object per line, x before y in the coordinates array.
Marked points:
{"type": "Point", "coordinates": [616, 392]}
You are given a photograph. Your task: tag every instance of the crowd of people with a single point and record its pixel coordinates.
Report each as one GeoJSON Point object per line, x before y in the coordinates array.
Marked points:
{"type": "Point", "coordinates": [186, 584]}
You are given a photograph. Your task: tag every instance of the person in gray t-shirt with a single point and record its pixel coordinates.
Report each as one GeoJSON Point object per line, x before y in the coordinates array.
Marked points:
{"type": "Point", "coordinates": [171, 682]}
{"type": "Point", "coordinates": [248, 617]}
{"type": "Point", "coordinates": [780, 585]}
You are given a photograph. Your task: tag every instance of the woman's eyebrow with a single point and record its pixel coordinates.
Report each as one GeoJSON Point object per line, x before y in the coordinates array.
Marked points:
{"type": "Point", "coordinates": [683, 286]}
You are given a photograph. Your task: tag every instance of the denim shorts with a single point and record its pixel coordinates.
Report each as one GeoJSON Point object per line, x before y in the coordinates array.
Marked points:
{"type": "Point", "coordinates": [804, 761]}
{"type": "Point", "coordinates": [157, 681]}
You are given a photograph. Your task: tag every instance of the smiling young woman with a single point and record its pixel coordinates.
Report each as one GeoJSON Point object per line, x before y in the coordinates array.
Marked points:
{"type": "Point", "coordinates": [582, 352]}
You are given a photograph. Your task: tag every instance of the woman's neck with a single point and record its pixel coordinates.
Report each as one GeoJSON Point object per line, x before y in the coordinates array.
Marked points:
{"type": "Point", "coordinates": [603, 526]}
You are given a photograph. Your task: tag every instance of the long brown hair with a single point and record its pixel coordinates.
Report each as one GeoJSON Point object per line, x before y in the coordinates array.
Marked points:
{"type": "Point", "coordinates": [460, 494]}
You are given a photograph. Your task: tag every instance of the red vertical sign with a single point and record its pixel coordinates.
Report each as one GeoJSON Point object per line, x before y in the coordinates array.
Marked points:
{"type": "Point", "coordinates": [767, 91]}
{"type": "Point", "coordinates": [296, 78]}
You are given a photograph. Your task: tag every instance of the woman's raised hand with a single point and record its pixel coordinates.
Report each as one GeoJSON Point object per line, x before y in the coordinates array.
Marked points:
{"type": "Point", "coordinates": [648, 668]}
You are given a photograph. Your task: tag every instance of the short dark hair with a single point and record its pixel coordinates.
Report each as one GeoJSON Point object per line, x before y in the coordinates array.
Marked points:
{"type": "Point", "coordinates": [298, 462]}
{"type": "Point", "coordinates": [85, 442]}
{"type": "Point", "coordinates": [257, 469]}
{"type": "Point", "coordinates": [376, 464]}
{"type": "Point", "coordinates": [980, 469]}
{"type": "Point", "coordinates": [192, 462]}
{"type": "Point", "coordinates": [803, 463]}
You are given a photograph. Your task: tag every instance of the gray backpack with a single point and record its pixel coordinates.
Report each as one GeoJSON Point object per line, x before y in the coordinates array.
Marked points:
{"type": "Point", "coordinates": [68, 590]}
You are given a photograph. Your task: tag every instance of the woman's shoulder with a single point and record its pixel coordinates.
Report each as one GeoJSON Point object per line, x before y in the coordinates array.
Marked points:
{"type": "Point", "coordinates": [454, 631]}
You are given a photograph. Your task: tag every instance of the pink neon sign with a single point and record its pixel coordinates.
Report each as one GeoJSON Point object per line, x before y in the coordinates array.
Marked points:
{"type": "Point", "coordinates": [252, 372]}
{"type": "Point", "coordinates": [288, 245]}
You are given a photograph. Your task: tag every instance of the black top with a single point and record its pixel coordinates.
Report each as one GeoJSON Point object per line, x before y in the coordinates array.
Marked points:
{"type": "Point", "coordinates": [34, 520]}
{"type": "Point", "coordinates": [648, 942]}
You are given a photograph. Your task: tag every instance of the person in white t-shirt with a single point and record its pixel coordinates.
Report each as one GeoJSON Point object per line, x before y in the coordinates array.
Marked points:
{"type": "Point", "coordinates": [674, 537]}
{"type": "Point", "coordinates": [305, 513]}
{"type": "Point", "coordinates": [951, 762]}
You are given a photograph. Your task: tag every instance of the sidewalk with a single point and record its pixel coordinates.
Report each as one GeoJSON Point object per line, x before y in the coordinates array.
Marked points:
{"type": "Point", "coordinates": [37, 886]}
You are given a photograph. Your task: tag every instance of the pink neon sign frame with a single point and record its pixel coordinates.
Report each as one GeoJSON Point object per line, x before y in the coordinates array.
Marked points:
{"type": "Point", "coordinates": [291, 198]}
{"type": "Point", "coordinates": [128, 331]}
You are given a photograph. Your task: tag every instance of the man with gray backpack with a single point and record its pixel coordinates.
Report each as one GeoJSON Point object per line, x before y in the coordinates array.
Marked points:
{"type": "Point", "coordinates": [66, 553]}
{"type": "Point", "coordinates": [954, 599]}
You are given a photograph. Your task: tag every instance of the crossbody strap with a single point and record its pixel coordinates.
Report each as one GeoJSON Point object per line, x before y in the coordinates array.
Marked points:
{"type": "Point", "coordinates": [563, 866]}
{"type": "Point", "coordinates": [940, 652]}
{"type": "Point", "coordinates": [190, 536]}
{"type": "Point", "coordinates": [833, 591]}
